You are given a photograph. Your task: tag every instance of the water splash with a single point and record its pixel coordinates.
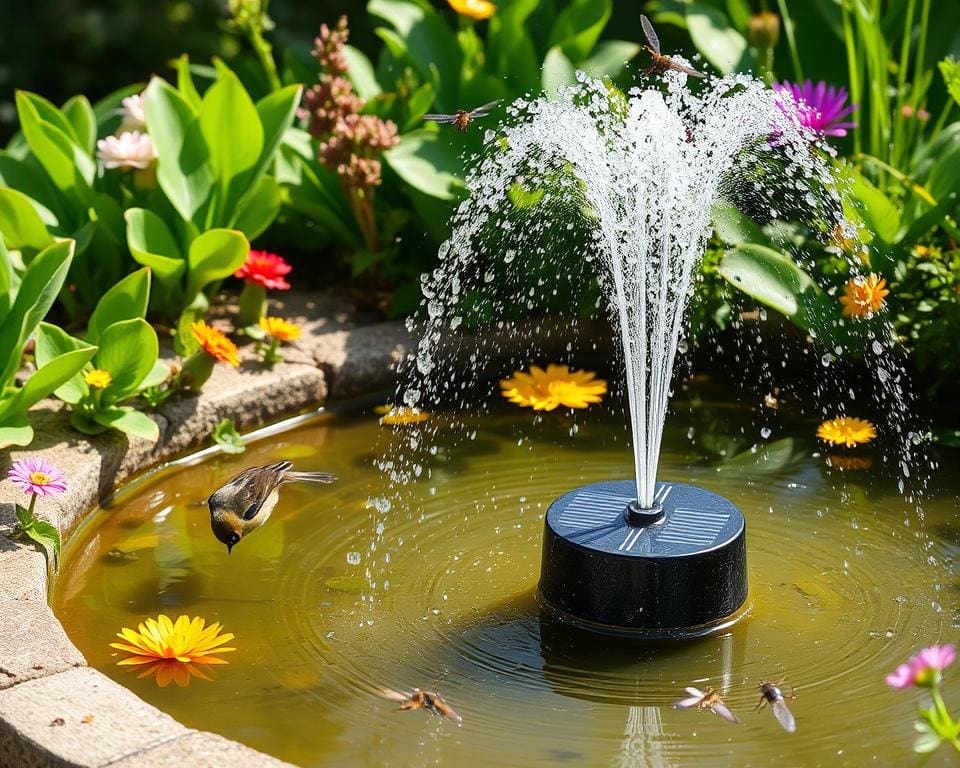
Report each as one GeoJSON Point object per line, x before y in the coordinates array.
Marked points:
{"type": "Point", "coordinates": [641, 174]}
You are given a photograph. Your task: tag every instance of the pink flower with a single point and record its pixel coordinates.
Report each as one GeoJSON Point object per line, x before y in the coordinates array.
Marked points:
{"type": "Point", "coordinates": [817, 107]}
{"type": "Point", "coordinates": [924, 668]}
{"type": "Point", "coordinates": [266, 269]}
{"type": "Point", "coordinates": [37, 476]}
{"type": "Point", "coordinates": [130, 149]}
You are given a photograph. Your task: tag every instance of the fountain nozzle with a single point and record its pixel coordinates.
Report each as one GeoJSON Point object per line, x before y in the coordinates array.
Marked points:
{"type": "Point", "coordinates": [637, 515]}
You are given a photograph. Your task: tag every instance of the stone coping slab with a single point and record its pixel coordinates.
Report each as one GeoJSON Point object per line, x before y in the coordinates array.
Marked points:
{"type": "Point", "coordinates": [56, 711]}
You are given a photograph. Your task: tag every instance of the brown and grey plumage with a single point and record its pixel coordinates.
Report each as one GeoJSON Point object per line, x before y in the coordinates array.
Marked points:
{"type": "Point", "coordinates": [244, 503]}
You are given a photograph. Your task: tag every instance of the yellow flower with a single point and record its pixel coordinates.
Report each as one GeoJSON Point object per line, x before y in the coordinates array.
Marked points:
{"type": "Point", "coordinates": [171, 650]}
{"type": "Point", "coordinates": [280, 329]}
{"type": "Point", "coordinates": [396, 415]}
{"type": "Point", "coordinates": [217, 345]}
{"type": "Point", "coordinates": [921, 251]}
{"type": "Point", "coordinates": [475, 9]}
{"type": "Point", "coordinates": [847, 431]}
{"type": "Point", "coordinates": [544, 390]}
{"type": "Point", "coordinates": [97, 379]}
{"type": "Point", "coordinates": [862, 296]}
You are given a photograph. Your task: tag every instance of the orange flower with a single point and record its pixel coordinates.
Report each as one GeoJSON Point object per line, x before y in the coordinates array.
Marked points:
{"type": "Point", "coordinates": [848, 431]}
{"type": "Point", "coordinates": [475, 9]}
{"type": "Point", "coordinates": [171, 650]}
{"type": "Point", "coordinates": [400, 415]}
{"type": "Point", "coordinates": [215, 343]}
{"type": "Point", "coordinates": [280, 329]}
{"type": "Point", "coordinates": [544, 390]}
{"type": "Point", "coordinates": [863, 296]}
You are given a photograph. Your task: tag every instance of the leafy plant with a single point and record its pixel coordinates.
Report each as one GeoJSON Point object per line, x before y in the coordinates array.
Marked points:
{"type": "Point", "coordinates": [226, 436]}
{"type": "Point", "coordinates": [38, 531]}
{"type": "Point", "coordinates": [125, 362]}
{"type": "Point", "coordinates": [24, 301]}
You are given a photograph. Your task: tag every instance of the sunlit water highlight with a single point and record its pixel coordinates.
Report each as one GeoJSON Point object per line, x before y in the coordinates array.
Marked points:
{"type": "Point", "coordinates": [841, 592]}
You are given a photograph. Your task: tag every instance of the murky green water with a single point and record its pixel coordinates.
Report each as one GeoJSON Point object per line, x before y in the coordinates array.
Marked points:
{"type": "Point", "coordinates": [842, 590]}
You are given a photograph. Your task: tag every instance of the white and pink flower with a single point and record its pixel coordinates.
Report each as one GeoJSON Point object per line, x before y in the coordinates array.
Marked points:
{"type": "Point", "coordinates": [131, 149]}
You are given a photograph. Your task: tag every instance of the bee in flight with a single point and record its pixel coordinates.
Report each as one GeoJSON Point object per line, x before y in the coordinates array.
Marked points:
{"type": "Point", "coordinates": [428, 700]}
{"type": "Point", "coordinates": [462, 118]}
{"type": "Point", "coordinates": [771, 693]}
{"type": "Point", "coordinates": [710, 700]}
{"type": "Point", "coordinates": [661, 63]}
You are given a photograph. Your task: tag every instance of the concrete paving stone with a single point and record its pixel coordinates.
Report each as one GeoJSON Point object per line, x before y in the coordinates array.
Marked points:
{"type": "Point", "coordinates": [200, 749]}
{"type": "Point", "coordinates": [78, 718]}
{"type": "Point", "coordinates": [361, 360]}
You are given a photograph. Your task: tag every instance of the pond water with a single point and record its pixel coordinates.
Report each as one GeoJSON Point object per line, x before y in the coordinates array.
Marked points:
{"type": "Point", "coordinates": [846, 581]}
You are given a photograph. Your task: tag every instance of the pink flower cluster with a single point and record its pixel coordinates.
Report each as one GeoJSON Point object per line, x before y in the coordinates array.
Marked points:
{"type": "Point", "coordinates": [923, 669]}
{"type": "Point", "coordinates": [350, 143]}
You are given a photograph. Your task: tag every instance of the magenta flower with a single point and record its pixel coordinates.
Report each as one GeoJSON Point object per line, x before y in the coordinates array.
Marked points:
{"type": "Point", "coordinates": [924, 668]}
{"type": "Point", "coordinates": [819, 107]}
{"type": "Point", "coordinates": [37, 476]}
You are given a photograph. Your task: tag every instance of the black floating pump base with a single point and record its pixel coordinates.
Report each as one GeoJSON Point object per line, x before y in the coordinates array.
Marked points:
{"type": "Point", "coordinates": [678, 569]}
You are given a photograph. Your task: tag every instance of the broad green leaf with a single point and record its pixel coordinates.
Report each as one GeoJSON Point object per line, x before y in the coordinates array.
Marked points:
{"type": "Point", "coordinates": [128, 350]}
{"type": "Point", "coordinates": [70, 168]}
{"type": "Point", "coordinates": [419, 104]}
{"type": "Point", "coordinates": [183, 164]}
{"type": "Point", "coordinates": [319, 196]}
{"type": "Point", "coordinates": [610, 57]}
{"type": "Point", "coordinates": [158, 374]}
{"type": "Point", "coordinates": [49, 378]}
{"type": "Point", "coordinates": [216, 254]}
{"type": "Point", "coordinates": [579, 26]}
{"type": "Point", "coordinates": [361, 74]}
{"type": "Point", "coordinates": [258, 208]}
{"type": "Point", "coordinates": [716, 39]}
{"type": "Point", "coordinates": [510, 49]}
{"type": "Point", "coordinates": [83, 120]}
{"type": "Point", "coordinates": [428, 40]}
{"type": "Point", "coordinates": [152, 245]}
{"type": "Point", "coordinates": [107, 109]}
{"type": "Point", "coordinates": [83, 421]}
{"type": "Point", "coordinates": [20, 224]}
{"type": "Point", "coordinates": [734, 227]}
{"type": "Point", "coordinates": [38, 289]}
{"type": "Point", "coordinates": [124, 301]}
{"type": "Point", "coordinates": [9, 281]}
{"type": "Point", "coordinates": [876, 211]}
{"type": "Point", "coordinates": [428, 162]}
{"type": "Point", "coordinates": [558, 71]}
{"type": "Point", "coordinates": [39, 531]}
{"type": "Point", "coordinates": [184, 342]}
{"type": "Point", "coordinates": [48, 112]}
{"type": "Point", "coordinates": [232, 131]}
{"type": "Point", "coordinates": [185, 84]}
{"type": "Point", "coordinates": [52, 343]}
{"type": "Point", "coordinates": [14, 430]}
{"type": "Point", "coordinates": [31, 180]}
{"type": "Point", "coordinates": [128, 420]}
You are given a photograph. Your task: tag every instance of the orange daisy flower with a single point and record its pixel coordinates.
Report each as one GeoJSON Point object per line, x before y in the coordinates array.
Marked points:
{"type": "Point", "coordinates": [217, 345]}
{"type": "Point", "coordinates": [863, 296]}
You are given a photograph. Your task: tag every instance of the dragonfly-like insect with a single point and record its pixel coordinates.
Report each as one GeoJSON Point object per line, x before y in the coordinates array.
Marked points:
{"type": "Point", "coordinates": [661, 63]}
{"type": "Point", "coordinates": [462, 118]}
{"type": "Point", "coordinates": [706, 700]}
{"type": "Point", "coordinates": [771, 694]}
{"type": "Point", "coordinates": [418, 699]}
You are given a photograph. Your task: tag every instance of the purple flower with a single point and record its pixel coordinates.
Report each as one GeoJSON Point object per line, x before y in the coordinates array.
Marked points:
{"type": "Point", "coordinates": [818, 107]}
{"type": "Point", "coordinates": [924, 668]}
{"type": "Point", "coordinates": [37, 476]}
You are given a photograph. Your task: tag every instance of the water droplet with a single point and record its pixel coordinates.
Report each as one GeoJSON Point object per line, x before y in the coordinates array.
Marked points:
{"type": "Point", "coordinates": [353, 558]}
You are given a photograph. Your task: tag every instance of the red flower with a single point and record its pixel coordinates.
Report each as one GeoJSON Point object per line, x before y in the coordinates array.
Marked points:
{"type": "Point", "coordinates": [266, 269]}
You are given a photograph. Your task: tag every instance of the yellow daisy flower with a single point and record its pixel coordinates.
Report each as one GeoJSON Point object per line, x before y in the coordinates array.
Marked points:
{"type": "Point", "coordinates": [97, 379]}
{"type": "Point", "coordinates": [846, 431]}
{"type": "Point", "coordinates": [399, 415]}
{"type": "Point", "coordinates": [171, 650]}
{"type": "Point", "coordinates": [545, 390]}
{"type": "Point", "coordinates": [863, 296]}
{"type": "Point", "coordinates": [280, 329]}
{"type": "Point", "coordinates": [474, 9]}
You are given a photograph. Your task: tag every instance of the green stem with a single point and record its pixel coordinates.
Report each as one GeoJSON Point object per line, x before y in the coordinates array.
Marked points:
{"type": "Point", "coordinates": [264, 53]}
{"type": "Point", "coordinates": [33, 501]}
{"type": "Point", "coordinates": [902, 82]}
{"type": "Point", "coordinates": [791, 40]}
{"type": "Point", "coordinates": [253, 302]}
{"type": "Point", "coordinates": [856, 93]}
{"type": "Point", "coordinates": [921, 49]}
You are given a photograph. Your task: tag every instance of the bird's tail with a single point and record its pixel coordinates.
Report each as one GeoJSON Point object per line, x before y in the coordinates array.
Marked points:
{"type": "Point", "coordinates": [309, 477]}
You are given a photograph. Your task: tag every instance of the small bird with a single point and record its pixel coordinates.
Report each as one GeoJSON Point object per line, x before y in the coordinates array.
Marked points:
{"type": "Point", "coordinates": [706, 700]}
{"type": "Point", "coordinates": [244, 503]}
{"type": "Point", "coordinates": [418, 699]}
{"type": "Point", "coordinates": [463, 117]}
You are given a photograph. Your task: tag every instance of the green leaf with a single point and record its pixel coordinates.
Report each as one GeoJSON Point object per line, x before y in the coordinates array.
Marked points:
{"type": "Point", "coordinates": [106, 110]}
{"type": "Point", "coordinates": [152, 245]}
{"type": "Point", "coordinates": [928, 741]}
{"type": "Point", "coordinates": [50, 377]}
{"type": "Point", "coordinates": [610, 57]}
{"type": "Point", "coordinates": [14, 430]}
{"type": "Point", "coordinates": [876, 211]}
{"type": "Point", "coordinates": [8, 279]}
{"type": "Point", "coordinates": [510, 49]}
{"type": "Point", "coordinates": [20, 224]}
{"type": "Point", "coordinates": [30, 179]}
{"type": "Point", "coordinates": [427, 162]}
{"type": "Point", "coordinates": [184, 342]}
{"type": "Point", "coordinates": [51, 140]}
{"type": "Point", "coordinates": [950, 71]}
{"type": "Point", "coordinates": [226, 436]}
{"type": "Point", "coordinates": [185, 83]}
{"type": "Point", "coordinates": [734, 227]}
{"type": "Point", "coordinates": [579, 26]}
{"type": "Point", "coordinates": [361, 74]}
{"type": "Point", "coordinates": [558, 71]}
{"type": "Point", "coordinates": [124, 301]}
{"type": "Point", "coordinates": [128, 420]}
{"type": "Point", "coordinates": [128, 350]}
{"type": "Point", "coordinates": [232, 131]}
{"type": "Point", "coordinates": [216, 254]}
{"type": "Point", "coordinates": [183, 163]}
{"type": "Point", "coordinates": [83, 421]}
{"type": "Point", "coordinates": [80, 114]}
{"type": "Point", "coordinates": [39, 288]}
{"type": "Point", "coordinates": [716, 39]}
{"type": "Point", "coordinates": [39, 531]}
{"type": "Point", "coordinates": [157, 376]}
{"type": "Point", "coordinates": [258, 208]}
{"type": "Point", "coordinates": [53, 343]}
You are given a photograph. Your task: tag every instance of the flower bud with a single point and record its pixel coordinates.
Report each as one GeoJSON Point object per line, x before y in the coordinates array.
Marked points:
{"type": "Point", "coordinates": [764, 31]}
